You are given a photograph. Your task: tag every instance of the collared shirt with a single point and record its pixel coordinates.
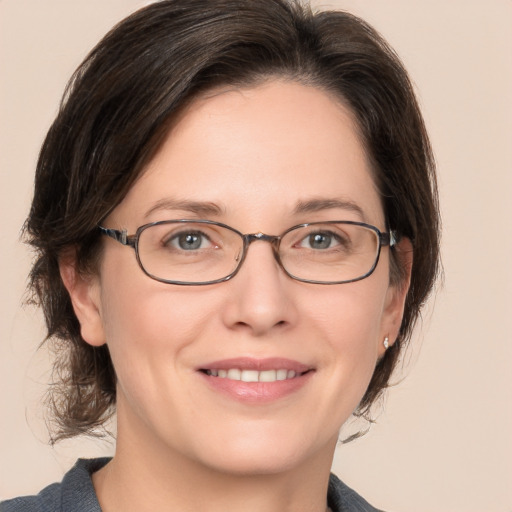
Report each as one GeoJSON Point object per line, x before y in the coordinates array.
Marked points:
{"type": "Point", "coordinates": [76, 494]}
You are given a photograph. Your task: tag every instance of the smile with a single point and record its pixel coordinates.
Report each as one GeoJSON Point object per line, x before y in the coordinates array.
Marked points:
{"type": "Point", "coordinates": [256, 381]}
{"type": "Point", "coordinates": [253, 375]}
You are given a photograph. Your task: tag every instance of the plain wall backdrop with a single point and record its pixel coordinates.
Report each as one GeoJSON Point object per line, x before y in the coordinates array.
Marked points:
{"type": "Point", "coordinates": [443, 441]}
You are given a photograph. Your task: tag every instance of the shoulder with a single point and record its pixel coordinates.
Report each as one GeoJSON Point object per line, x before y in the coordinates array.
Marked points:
{"type": "Point", "coordinates": [47, 500]}
{"type": "Point", "coordinates": [74, 494]}
{"type": "Point", "coordinates": [342, 498]}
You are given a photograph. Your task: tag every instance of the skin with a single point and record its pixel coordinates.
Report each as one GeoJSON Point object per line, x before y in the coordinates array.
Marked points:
{"type": "Point", "coordinates": [255, 153]}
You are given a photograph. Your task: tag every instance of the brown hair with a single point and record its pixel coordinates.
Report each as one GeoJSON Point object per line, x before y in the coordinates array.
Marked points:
{"type": "Point", "coordinates": [117, 108]}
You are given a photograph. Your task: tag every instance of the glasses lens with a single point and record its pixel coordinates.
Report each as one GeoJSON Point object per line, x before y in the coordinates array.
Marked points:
{"type": "Point", "coordinates": [330, 252]}
{"type": "Point", "coordinates": [189, 252]}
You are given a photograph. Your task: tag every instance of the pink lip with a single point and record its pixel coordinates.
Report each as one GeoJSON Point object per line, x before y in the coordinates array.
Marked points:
{"type": "Point", "coordinates": [256, 392]}
{"type": "Point", "coordinates": [248, 363]}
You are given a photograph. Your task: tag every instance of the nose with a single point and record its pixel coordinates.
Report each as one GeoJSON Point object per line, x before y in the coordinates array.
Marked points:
{"type": "Point", "coordinates": [260, 298]}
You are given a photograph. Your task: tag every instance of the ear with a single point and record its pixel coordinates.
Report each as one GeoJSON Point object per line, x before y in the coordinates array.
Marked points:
{"type": "Point", "coordinates": [84, 292]}
{"type": "Point", "coordinates": [396, 295]}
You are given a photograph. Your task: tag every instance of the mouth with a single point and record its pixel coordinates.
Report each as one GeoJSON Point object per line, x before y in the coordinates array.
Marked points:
{"type": "Point", "coordinates": [256, 380]}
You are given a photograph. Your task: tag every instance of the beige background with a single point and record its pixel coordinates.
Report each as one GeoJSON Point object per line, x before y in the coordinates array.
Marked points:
{"type": "Point", "coordinates": [443, 442]}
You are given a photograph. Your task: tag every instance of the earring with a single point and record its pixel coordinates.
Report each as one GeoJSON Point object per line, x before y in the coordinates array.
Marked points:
{"type": "Point", "coordinates": [386, 342]}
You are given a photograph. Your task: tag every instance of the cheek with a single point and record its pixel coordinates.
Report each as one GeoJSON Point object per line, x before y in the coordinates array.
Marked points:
{"type": "Point", "coordinates": [152, 322]}
{"type": "Point", "coordinates": [350, 316]}
{"type": "Point", "coordinates": [349, 321]}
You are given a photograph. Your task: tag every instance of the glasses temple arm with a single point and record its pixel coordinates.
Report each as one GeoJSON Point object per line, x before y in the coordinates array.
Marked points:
{"type": "Point", "coordinates": [120, 236]}
{"type": "Point", "coordinates": [391, 238]}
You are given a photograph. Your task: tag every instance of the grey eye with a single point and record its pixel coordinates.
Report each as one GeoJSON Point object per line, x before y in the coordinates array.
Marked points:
{"type": "Point", "coordinates": [189, 241]}
{"type": "Point", "coordinates": [320, 241]}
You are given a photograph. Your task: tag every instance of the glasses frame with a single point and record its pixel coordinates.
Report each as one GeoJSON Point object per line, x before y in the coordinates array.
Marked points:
{"type": "Point", "coordinates": [384, 239]}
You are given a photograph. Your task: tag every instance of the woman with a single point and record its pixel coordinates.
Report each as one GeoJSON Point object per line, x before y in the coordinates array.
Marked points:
{"type": "Point", "coordinates": [235, 216]}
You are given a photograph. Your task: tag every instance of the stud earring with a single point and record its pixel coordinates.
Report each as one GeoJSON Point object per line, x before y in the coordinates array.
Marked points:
{"type": "Point", "coordinates": [386, 342]}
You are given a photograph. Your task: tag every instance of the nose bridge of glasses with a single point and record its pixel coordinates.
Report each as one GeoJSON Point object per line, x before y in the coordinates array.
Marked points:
{"type": "Point", "coordinates": [262, 237]}
{"type": "Point", "coordinates": [253, 237]}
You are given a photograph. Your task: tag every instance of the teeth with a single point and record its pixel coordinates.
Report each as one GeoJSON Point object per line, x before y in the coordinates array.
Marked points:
{"type": "Point", "coordinates": [281, 374]}
{"type": "Point", "coordinates": [234, 374]}
{"type": "Point", "coordinates": [253, 375]}
{"type": "Point", "coordinates": [268, 376]}
{"type": "Point", "coordinates": [249, 376]}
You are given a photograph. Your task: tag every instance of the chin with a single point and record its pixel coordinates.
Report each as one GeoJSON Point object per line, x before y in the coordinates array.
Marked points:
{"type": "Point", "coordinates": [265, 453]}
{"type": "Point", "coordinates": [247, 464]}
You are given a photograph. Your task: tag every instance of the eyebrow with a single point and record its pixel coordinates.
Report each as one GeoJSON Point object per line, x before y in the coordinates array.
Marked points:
{"type": "Point", "coordinates": [200, 208]}
{"type": "Point", "coordinates": [316, 205]}
{"type": "Point", "coordinates": [208, 209]}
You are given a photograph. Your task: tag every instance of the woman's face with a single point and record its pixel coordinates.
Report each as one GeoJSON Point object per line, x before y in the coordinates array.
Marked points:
{"type": "Point", "coordinates": [248, 158]}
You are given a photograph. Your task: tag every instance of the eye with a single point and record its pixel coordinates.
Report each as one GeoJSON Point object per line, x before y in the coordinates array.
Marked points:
{"type": "Point", "coordinates": [320, 240]}
{"type": "Point", "coordinates": [188, 241]}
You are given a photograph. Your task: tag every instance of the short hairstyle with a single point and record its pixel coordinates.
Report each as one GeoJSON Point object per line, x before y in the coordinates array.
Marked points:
{"type": "Point", "coordinates": [117, 109]}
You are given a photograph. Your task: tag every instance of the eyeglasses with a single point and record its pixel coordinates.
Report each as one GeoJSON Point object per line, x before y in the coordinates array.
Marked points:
{"type": "Point", "coordinates": [200, 252]}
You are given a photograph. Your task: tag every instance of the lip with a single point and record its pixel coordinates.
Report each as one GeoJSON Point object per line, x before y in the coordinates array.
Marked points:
{"type": "Point", "coordinates": [249, 363]}
{"type": "Point", "coordinates": [256, 392]}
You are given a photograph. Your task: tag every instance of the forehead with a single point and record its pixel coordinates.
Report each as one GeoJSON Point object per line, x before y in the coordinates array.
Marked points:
{"type": "Point", "coordinates": [256, 150]}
